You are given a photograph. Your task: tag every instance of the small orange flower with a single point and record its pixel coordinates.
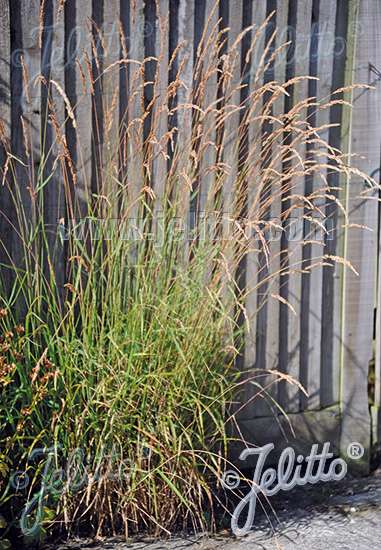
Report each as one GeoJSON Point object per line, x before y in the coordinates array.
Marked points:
{"type": "Point", "coordinates": [71, 287]}
{"type": "Point", "coordinates": [6, 369]}
{"type": "Point", "coordinates": [34, 372]}
{"type": "Point", "coordinates": [48, 364]}
{"type": "Point", "coordinates": [42, 394]}
{"type": "Point", "coordinates": [3, 313]}
{"type": "Point", "coordinates": [19, 329]}
{"type": "Point", "coordinates": [9, 334]}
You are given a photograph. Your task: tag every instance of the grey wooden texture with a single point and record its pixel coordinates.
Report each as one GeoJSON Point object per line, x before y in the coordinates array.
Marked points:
{"type": "Point", "coordinates": [277, 73]}
{"type": "Point", "coordinates": [299, 431]}
{"type": "Point", "coordinates": [231, 146]}
{"type": "Point", "coordinates": [361, 246]}
{"type": "Point", "coordinates": [5, 69]}
{"type": "Point", "coordinates": [111, 100]}
{"type": "Point", "coordinates": [290, 399]}
{"type": "Point", "coordinates": [24, 21]}
{"type": "Point", "coordinates": [52, 67]}
{"type": "Point", "coordinates": [135, 169]}
{"type": "Point", "coordinates": [182, 119]}
{"type": "Point", "coordinates": [376, 381]}
{"type": "Point", "coordinates": [5, 114]}
{"type": "Point", "coordinates": [77, 38]}
{"type": "Point", "coordinates": [332, 301]}
{"type": "Point", "coordinates": [160, 125]}
{"type": "Point", "coordinates": [311, 311]}
{"type": "Point", "coordinates": [186, 13]}
{"type": "Point", "coordinates": [254, 349]}
{"type": "Point", "coordinates": [376, 405]}
{"type": "Point", "coordinates": [209, 136]}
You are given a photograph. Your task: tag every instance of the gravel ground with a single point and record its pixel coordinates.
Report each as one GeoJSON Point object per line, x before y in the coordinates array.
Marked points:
{"type": "Point", "coordinates": [344, 515]}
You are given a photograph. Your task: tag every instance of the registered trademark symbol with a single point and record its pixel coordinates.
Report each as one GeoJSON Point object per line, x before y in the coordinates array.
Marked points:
{"type": "Point", "coordinates": [355, 450]}
{"type": "Point", "coordinates": [145, 28]}
{"type": "Point", "coordinates": [356, 28]}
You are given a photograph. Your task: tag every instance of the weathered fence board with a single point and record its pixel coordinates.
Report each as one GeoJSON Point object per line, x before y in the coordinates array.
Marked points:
{"type": "Point", "coordinates": [277, 73]}
{"type": "Point", "coordinates": [5, 114]}
{"type": "Point", "coordinates": [321, 66]}
{"type": "Point", "coordinates": [160, 123]}
{"type": "Point", "coordinates": [183, 117]}
{"type": "Point", "coordinates": [375, 377]}
{"type": "Point", "coordinates": [289, 397]}
{"type": "Point", "coordinates": [79, 144]}
{"type": "Point", "coordinates": [361, 246]}
{"type": "Point", "coordinates": [254, 349]}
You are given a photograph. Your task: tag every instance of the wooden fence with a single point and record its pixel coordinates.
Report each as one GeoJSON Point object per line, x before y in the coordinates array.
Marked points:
{"type": "Point", "coordinates": [332, 346]}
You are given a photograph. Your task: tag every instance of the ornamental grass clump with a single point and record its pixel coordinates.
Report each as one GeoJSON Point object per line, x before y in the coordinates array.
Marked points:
{"type": "Point", "coordinates": [134, 307]}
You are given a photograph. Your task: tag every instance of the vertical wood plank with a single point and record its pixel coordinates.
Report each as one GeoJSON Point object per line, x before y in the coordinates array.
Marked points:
{"type": "Point", "coordinates": [79, 141]}
{"type": "Point", "coordinates": [5, 115]}
{"type": "Point", "coordinates": [181, 31]}
{"type": "Point", "coordinates": [322, 62]}
{"type": "Point", "coordinates": [332, 296]}
{"type": "Point", "coordinates": [183, 120]}
{"type": "Point", "coordinates": [53, 69]}
{"type": "Point", "coordinates": [78, 87]}
{"type": "Point", "coordinates": [208, 125]}
{"type": "Point", "coordinates": [274, 306]}
{"type": "Point", "coordinates": [186, 14]}
{"type": "Point", "coordinates": [111, 101]}
{"type": "Point", "coordinates": [230, 148]}
{"type": "Point", "coordinates": [25, 22]}
{"type": "Point", "coordinates": [135, 174]}
{"type": "Point", "coordinates": [361, 246]}
{"type": "Point", "coordinates": [376, 406]}
{"type": "Point", "coordinates": [262, 192]}
{"type": "Point", "coordinates": [6, 60]}
{"type": "Point", "coordinates": [253, 352]}
{"type": "Point", "coordinates": [289, 394]}
{"type": "Point", "coordinates": [160, 127]}
{"type": "Point", "coordinates": [277, 73]}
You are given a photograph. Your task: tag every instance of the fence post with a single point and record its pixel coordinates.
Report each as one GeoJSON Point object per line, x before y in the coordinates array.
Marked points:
{"type": "Point", "coordinates": [360, 245]}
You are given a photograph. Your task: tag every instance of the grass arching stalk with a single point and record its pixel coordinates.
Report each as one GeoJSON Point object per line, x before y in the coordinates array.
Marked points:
{"type": "Point", "coordinates": [146, 335]}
